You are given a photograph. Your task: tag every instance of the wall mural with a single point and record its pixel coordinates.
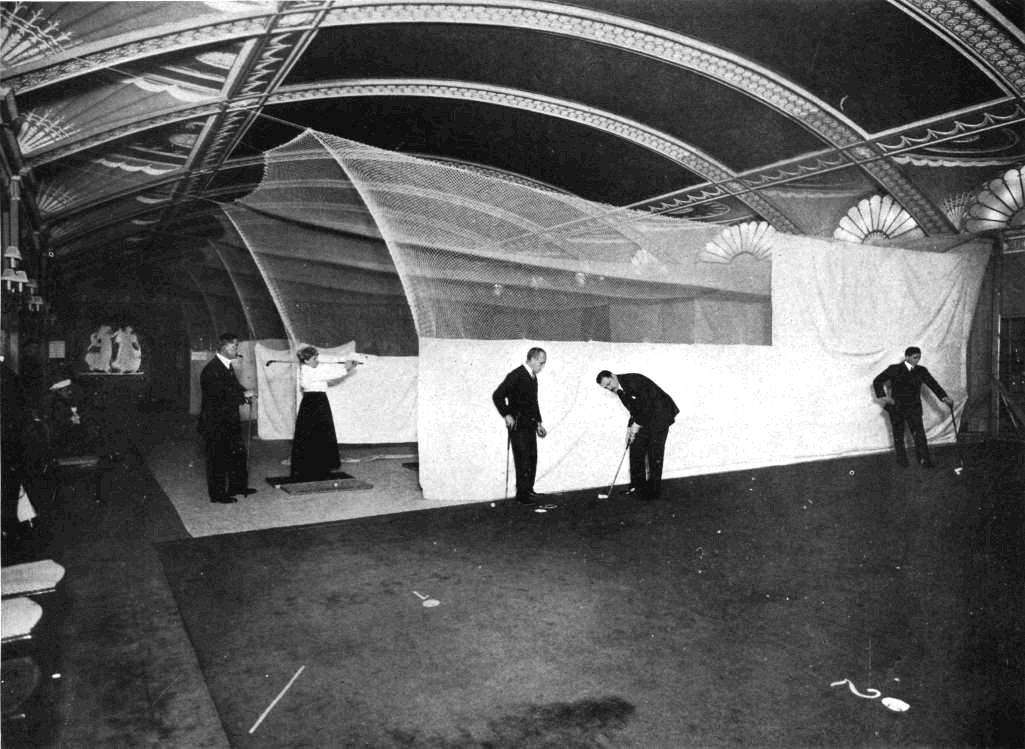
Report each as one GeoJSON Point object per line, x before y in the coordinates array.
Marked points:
{"type": "Point", "coordinates": [114, 351]}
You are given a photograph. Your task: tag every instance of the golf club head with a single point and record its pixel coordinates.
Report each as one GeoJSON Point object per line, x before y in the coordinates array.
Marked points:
{"type": "Point", "coordinates": [430, 603]}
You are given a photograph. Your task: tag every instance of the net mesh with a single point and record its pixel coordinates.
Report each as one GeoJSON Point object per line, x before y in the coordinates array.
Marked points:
{"type": "Point", "coordinates": [481, 256]}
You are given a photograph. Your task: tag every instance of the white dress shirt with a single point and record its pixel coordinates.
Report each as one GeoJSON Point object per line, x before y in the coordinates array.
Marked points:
{"type": "Point", "coordinates": [315, 379]}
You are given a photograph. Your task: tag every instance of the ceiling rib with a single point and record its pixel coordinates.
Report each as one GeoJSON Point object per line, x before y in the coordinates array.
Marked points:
{"type": "Point", "coordinates": [829, 124]}
{"type": "Point", "coordinates": [891, 144]}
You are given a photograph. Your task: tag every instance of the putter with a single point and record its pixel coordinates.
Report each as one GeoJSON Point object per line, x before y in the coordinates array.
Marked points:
{"type": "Point", "coordinates": [428, 602]}
{"type": "Point", "coordinates": [957, 441]}
{"type": "Point", "coordinates": [608, 495]}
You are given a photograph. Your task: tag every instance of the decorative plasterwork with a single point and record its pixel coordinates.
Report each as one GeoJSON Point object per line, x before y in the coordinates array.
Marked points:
{"type": "Point", "coordinates": [991, 45]}
{"type": "Point", "coordinates": [635, 132]}
{"type": "Point", "coordinates": [26, 34]}
{"type": "Point", "coordinates": [1001, 204]}
{"type": "Point", "coordinates": [41, 129]}
{"type": "Point", "coordinates": [956, 207]}
{"type": "Point", "coordinates": [755, 238]}
{"type": "Point", "coordinates": [877, 218]}
{"type": "Point", "coordinates": [84, 61]}
{"type": "Point", "coordinates": [53, 198]}
{"type": "Point", "coordinates": [999, 114]}
{"type": "Point", "coordinates": [911, 143]}
{"type": "Point", "coordinates": [97, 138]}
{"type": "Point", "coordinates": [673, 49]}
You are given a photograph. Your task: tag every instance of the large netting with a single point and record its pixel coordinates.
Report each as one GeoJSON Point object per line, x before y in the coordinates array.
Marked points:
{"type": "Point", "coordinates": [479, 255]}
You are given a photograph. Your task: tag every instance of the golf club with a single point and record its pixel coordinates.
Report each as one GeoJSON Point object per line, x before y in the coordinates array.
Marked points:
{"type": "Point", "coordinates": [957, 441]}
{"type": "Point", "coordinates": [428, 602]}
{"type": "Point", "coordinates": [288, 361]}
{"type": "Point", "coordinates": [508, 449]}
{"type": "Point", "coordinates": [249, 438]}
{"type": "Point", "coordinates": [608, 495]}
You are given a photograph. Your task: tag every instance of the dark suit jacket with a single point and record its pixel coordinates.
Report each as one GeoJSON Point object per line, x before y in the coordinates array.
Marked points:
{"type": "Point", "coordinates": [517, 396]}
{"type": "Point", "coordinates": [648, 404]}
{"type": "Point", "coordinates": [906, 385]}
{"type": "Point", "coordinates": [222, 395]}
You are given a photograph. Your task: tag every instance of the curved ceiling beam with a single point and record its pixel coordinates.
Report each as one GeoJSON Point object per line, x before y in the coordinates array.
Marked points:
{"type": "Point", "coordinates": [998, 49]}
{"type": "Point", "coordinates": [730, 70]}
{"type": "Point", "coordinates": [637, 133]}
{"type": "Point", "coordinates": [634, 132]}
{"type": "Point", "coordinates": [602, 28]}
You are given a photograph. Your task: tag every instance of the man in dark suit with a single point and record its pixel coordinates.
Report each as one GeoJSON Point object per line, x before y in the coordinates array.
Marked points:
{"type": "Point", "coordinates": [227, 472]}
{"type": "Point", "coordinates": [516, 401]}
{"type": "Point", "coordinates": [899, 388]}
{"type": "Point", "coordinates": [652, 412]}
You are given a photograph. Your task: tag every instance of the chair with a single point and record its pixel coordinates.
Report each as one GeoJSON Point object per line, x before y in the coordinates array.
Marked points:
{"type": "Point", "coordinates": [31, 579]}
{"type": "Point", "coordinates": [64, 463]}
{"type": "Point", "coordinates": [28, 658]}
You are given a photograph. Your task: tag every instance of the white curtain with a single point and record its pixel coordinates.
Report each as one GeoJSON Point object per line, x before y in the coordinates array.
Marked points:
{"type": "Point", "coordinates": [374, 404]}
{"type": "Point", "coordinates": [840, 314]}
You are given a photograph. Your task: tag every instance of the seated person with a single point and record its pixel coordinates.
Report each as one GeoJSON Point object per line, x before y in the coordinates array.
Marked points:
{"type": "Point", "coordinates": [70, 422]}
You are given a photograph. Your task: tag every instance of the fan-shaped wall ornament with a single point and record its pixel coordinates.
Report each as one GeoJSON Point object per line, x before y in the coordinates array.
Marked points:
{"type": "Point", "coordinates": [42, 129]}
{"type": "Point", "coordinates": [644, 262]}
{"type": "Point", "coordinates": [26, 34]}
{"type": "Point", "coordinates": [1001, 204]}
{"type": "Point", "coordinates": [877, 219]}
{"type": "Point", "coordinates": [753, 237]}
{"type": "Point", "coordinates": [956, 207]}
{"type": "Point", "coordinates": [52, 198]}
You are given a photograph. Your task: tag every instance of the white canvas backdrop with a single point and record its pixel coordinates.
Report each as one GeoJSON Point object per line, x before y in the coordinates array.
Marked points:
{"type": "Point", "coordinates": [841, 314]}
{"type": "Point", "coordinates": [375, 404]}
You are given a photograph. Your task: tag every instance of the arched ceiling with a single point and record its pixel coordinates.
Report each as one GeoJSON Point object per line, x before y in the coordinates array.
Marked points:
{"type": "Point", "coordinates": [128, 122]}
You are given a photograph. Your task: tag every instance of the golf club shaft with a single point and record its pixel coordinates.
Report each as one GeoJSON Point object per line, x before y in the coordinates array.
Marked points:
{"type": "Point", "coordinates": [618, 468]}
{"type": "Point", "coordinates": [953, 421]}
{"type": "Point", "coordinates": [508, 450]}
{"type": "Point", "coordinates": [957, 441]}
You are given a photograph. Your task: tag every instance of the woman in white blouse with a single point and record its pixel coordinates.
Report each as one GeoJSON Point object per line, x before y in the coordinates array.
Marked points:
{"type": "Point", "coordinates": [314, 444]}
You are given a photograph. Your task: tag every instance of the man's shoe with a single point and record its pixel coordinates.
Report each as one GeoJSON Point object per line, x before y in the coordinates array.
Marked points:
{"type": "Point", "coordinates": [526, 499]}
{"type": "Point", "coordinates": [225, 500]}
{"type": "Point", "coordinates": [244, 492]}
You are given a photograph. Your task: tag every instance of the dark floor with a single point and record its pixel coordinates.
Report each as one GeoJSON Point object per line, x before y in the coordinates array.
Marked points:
{"type": "Point", "coordinates": [923, 572]}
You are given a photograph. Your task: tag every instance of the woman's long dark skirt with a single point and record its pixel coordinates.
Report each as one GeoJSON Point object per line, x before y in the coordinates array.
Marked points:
{"type": "Point", "coordinates": [314, 445]}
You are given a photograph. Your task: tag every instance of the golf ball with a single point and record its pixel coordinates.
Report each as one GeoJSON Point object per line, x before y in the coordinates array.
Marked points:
{"type": "Point", "coordinates": [852, 473]}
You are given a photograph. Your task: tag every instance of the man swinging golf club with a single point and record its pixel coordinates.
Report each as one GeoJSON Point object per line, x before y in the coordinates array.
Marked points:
{"type": "Point", "coordinates": [903, 402]}
{"type": "Point", "coordinates": [516, 401]}
{"type": "Point", "coordinates": [652, 412]}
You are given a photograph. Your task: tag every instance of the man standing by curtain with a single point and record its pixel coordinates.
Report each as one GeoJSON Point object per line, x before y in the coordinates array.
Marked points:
{"type": "Point", "coordinates": [516, 401]}
{"type": "Point", "coordinates": [899, 387]}
{"type": "Point", "coordinates": [227, 472]}
{"type": "Point", "coordinates": [652, 412]}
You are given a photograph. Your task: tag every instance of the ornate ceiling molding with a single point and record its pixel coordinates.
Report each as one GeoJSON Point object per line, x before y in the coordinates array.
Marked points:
{"type": "Point", "coordinates": [893, 144]}
{"type": "Point", "coordinates": [634, 132]}
{"type": "Point", "coordinates": [751, 79]}
{"type": "Point", "coordinates": [997, 49]}
{"type": "Point", "coordinates": [673, 49]}
{"type": "Point", "coordinates": [49, 69]}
